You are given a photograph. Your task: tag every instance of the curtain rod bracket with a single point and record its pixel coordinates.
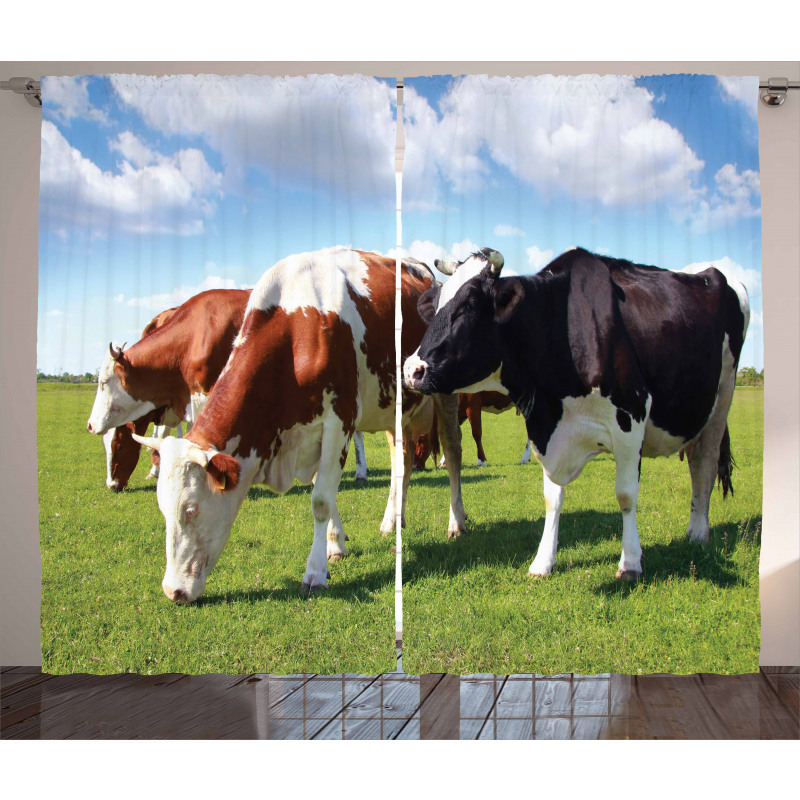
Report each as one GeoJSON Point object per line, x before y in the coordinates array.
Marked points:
{"type": "Point", "coordinates": [31, 89]}
{"type": "Point", "coordinates": [774, 93]}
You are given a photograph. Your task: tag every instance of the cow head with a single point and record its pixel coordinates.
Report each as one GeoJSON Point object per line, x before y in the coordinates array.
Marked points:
{"type": "Point", "coordinates": [124, 456]}
{"type": "Point", "coordinates": [199, 494]}
{"type": "Point", "coordinates": [460, 351]}
{"type": "Point", "coordinates": [113, 405]}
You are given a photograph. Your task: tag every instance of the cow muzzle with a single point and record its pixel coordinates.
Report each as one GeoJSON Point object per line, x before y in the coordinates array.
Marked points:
{"type": "Point", "coordinates": [415, 372]}
{"type": "Point", "coordinates": [181, 596]}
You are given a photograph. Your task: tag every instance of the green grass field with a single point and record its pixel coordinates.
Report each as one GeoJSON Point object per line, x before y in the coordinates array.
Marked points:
{"type": "Point", "coordinates": [103, 559]}
{"type": "Point", "coordinates": [468, 604]}
{"type": "Point", "coordinates": [469, 607]}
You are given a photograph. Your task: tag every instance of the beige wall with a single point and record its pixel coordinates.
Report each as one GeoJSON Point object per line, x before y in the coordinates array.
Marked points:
{"type": "Point", "coordinates": [779, 133]}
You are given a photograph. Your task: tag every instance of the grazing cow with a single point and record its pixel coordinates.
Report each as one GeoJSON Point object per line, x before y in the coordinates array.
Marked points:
{"type": "Point", "coordinates": [600, 356]}
{"type": "Point", "coordinates": [172, 367]}
{"type": "Point", "coordinates": [314, 361]}
{"type": "Point", "coordinates": [122, 452]}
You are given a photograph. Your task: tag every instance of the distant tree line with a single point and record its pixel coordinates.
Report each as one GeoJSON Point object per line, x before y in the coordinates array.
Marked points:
{"type": "Point", "coordinates": [748, 376]}
{"type": "Point", "coordinates": [65, 377]}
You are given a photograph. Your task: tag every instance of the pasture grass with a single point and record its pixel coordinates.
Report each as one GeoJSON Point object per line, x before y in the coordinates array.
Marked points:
{"type": "Point", "coordinates": [103, 559]}
{"type": "Point", "coordinates": [469, 607]}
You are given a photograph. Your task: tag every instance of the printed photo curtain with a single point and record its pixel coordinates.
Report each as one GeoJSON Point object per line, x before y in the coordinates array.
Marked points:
{"type": "Point", "coordinates": [165, 205]}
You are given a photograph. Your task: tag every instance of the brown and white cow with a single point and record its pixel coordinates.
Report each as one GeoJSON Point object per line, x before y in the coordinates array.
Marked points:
{"type": "Point", "coordinates": [122, 451]}
{"type": "Point", "coordinates": [173, 366]}
{"type": "Point", "coordinates": [314, 361]}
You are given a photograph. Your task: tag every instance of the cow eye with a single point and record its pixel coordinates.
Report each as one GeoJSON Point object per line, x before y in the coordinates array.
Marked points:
{"type": "Point", "coordinates": [191, 511]}
{"type": "Point", "coordinates": [470, 305]}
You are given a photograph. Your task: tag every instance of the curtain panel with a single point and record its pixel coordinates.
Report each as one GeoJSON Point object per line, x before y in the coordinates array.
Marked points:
{"type": "Point", "coordinates": [165, 204]}
{"type": "Point", "coordinates": [531, 196]}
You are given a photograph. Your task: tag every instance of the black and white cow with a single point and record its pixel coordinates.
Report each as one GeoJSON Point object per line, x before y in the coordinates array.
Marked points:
{"type": "Point", "coordinates": [601, 356]}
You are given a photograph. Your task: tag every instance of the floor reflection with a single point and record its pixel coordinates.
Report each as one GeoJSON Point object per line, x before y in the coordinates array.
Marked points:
{"type": "Point", "coordinates": [399, 706]}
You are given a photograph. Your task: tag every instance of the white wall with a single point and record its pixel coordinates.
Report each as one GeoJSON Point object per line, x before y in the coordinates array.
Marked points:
{"type": "Point", "coordinates": [779, 133]}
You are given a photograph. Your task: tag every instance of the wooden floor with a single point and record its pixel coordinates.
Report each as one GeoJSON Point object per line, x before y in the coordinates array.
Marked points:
{"type": "Point", "coordinates": [399, 706]}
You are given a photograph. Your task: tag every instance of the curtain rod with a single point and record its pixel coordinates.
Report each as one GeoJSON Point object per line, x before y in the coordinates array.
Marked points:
{"type": "Point", "coordinates": [773, 90]}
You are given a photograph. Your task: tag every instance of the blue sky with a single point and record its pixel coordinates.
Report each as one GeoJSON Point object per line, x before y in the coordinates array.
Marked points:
{"type": "Point", "coordinates": [155, 189]}
{"type": "Point", "coordinates": [661, 170]}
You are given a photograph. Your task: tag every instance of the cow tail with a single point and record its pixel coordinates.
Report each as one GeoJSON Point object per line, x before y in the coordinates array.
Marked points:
{"type": "Point", "coordinates": [725, 465]}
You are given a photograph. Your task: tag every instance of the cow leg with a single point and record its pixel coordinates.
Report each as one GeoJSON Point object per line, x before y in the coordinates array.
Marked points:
{"type": "Point", "coordinates": [408, 461]}
{"type": "Point", "coordinates": [336, 537]}
{"type": "Point", "coordinates": [450, 437]}
{"type": "Point", "coordinates": [108, 437]}
{"type": "Point", "coordinates": [323, 503]}
{"type": "Point", "coordinates": [628, 458]}
{"type": "Point", "coordinates": [387, 525]}
{"type": "Point", "coordinates": [475, 423]}
{"type": "Point", "coordinates": [361, 457]}
{"type": "Point", "coordinates": [526, 455]}
{"type": "Point", "coordinates": [703, 463]}
{"type": "Point", "coordinates": [159, 432]}
{"type": "Point", "coordinates": [546, 554]}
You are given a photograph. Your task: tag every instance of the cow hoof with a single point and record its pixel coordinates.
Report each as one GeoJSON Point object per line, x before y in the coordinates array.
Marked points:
{"type": "Point", "coordinates": [537, 575]}
{"type": "Point", "coordinates": [336, 557]}
{"type": "Point", "coordinates": [313, 589]}
{"type": "Point", "coordinates": [453, 533]}
{"type": "Point", "coordinates": [361, 481]}
{"type": "Point", "coordinates": [629, 575]}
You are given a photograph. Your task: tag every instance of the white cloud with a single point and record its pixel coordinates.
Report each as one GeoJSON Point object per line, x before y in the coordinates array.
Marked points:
{"type": "Point", "coordinates": [737, 195]}
{"type": "Point", "coordinates": [55, 313]}
{"type": "Point", "coordinates": [538, 258]}
{"type": "Point", "coordinates": [424, 251]}
{"type": "Point", "coordinates": [159, 302]}
{"type": "Point", "coordinates": [120, 298]}
{"type": "Point", "coordinates": [167, 194]}
{"type": "Point", "coordinates": [66, 98]}
{"type": "Point", "coordinates": [309, 131]}
{"type": "Point", "coordinates": [750, 278]}
{"type": "Point", "coordinates": [132, 148]}
{"type": "Point", "coordinates": [545, 130]}
{"type": "Point", "coordinates": [743, 91]}
{"type": "Point", "coordinates": [460, 250]}
{"type": "Point", "coordinates": [507, 230]}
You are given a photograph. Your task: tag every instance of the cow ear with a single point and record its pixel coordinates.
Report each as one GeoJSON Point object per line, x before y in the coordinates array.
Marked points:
{"type": "Point", "coordinates": [426, 305]}
{"type": "Point", "coordinates": [223, 472]}
{"type": "Point", "coordinates": [590, 315]}
{"type": "Point", "coordinates": [507, 295]}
